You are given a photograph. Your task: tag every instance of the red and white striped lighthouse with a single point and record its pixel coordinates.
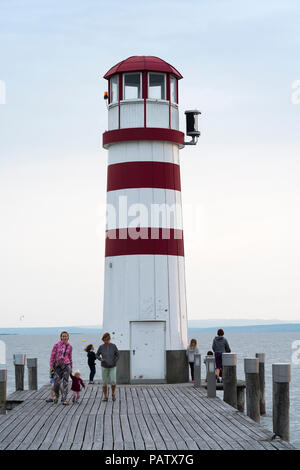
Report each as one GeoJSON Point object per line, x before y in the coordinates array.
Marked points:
{"type": "Point", "coordinates": [144, 293]}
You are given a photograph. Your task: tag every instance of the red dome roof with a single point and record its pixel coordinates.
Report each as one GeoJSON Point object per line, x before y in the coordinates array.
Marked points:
{"type": "Point", "coordinates": [142, 62]}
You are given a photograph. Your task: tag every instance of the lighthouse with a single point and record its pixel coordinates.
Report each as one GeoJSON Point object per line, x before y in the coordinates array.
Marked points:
{"type": "Point", "coordinates": [145, 307]}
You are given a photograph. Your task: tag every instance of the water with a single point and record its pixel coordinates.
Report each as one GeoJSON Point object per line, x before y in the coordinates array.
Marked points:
{"type": "Point", "coordinates": [277, 346]}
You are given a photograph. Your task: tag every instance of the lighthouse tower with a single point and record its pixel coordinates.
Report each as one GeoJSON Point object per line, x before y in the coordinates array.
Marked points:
{"type": "Point", "coordinates": [144, 294]}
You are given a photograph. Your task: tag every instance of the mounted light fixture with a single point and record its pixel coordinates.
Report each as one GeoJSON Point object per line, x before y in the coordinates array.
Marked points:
{"type": "Point", "coordinates": [192, 126]}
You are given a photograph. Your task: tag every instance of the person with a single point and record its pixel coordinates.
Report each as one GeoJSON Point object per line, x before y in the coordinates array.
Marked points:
{"type": "Point", "coordinates": [91, 362]}
{"type": "Point", "coordinates": [77, 382]}
{"type": "Point", "coordinates": [209, 354]}
{"type": "Point", "coordinates": [108, 354]}
{"type": "Point", "coordinates": [50, 400]}
{"type": "Point", "coordinates": [190, 352]}
{"type": "Point", "coordinates": [220, 345]}
{"type": "Point", "coordinates": [61, 364]}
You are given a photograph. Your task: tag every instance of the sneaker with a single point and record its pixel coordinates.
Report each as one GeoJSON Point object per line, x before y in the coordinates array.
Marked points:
{"type": "Point", "coordinates": [113, 398]}
{"type": "Point", "coordinates": [50, 400]}
{"type": "Point", "coordinates": [105, 399]}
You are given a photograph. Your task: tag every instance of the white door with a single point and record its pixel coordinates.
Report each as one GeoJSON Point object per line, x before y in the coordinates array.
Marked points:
{"type": "Point", "coordinates": [147, 351]}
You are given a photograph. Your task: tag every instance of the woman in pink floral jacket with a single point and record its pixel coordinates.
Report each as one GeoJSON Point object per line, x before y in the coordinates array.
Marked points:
{"type": "Point", "coordinates": [61, 363]}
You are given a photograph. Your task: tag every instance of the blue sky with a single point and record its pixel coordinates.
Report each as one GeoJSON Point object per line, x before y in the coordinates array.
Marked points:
{"type": "Point", "coordinates": [240, 184]}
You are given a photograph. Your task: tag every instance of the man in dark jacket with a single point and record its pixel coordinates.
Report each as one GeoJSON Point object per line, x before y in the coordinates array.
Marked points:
{"type": "Point", "coordinates": [108, 354]}
{"type": "Point", "coordinates": [220, 345]}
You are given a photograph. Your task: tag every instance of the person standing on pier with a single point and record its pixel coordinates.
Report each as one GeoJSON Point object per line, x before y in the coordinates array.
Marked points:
{"type": "Point", "coordinates": [108, 354]}
{"type": "Point", "coordinates": [91, 362]}
{"type": "Point", "coordinates": [61, 363]}
{"type": "Point", "coordinates": [220, 345]}
{"type": "Point", "coordinates": [190, 352]}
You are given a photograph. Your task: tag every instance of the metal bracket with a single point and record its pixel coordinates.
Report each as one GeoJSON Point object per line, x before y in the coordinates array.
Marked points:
{"type": "Point", "coordinates": [192, 142]}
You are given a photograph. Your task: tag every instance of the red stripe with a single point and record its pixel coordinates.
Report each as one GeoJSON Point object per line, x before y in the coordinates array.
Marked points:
{"type": "Point", "coordinates": [142, 133]}
{"type": "Point", "coordinates": [143, 175]}
{"type": "Point", "coordinates": [144, 241]}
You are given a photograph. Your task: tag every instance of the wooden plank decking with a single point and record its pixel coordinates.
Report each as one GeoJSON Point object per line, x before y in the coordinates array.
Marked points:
{"type": "Point", "coordinates": [162, 417]}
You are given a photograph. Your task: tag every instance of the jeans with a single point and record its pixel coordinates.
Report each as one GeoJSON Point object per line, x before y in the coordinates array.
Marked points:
{"type": "Point", "coordinates": [92, 372]}
{"type": "Point", "coordinates": [61, 374]}
{"type": "Point", "coordinates": [192, 369]}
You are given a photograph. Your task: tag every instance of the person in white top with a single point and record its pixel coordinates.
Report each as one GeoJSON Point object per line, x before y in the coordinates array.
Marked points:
{"type": "Point", "coordinates": [190, 352]}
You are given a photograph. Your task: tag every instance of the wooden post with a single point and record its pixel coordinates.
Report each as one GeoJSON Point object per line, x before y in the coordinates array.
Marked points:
{"type": "Point", "coordinates": [32, 374]}
{"type": "Point", "coordinates": [211, 377]}
{"type": "Point", "coordinates": [262, 403]}
{"type": "Point", "coordinates": [19, 362]}
{"type": "Point", "coordinates": [281, 400]}
{"type": "Point", "coordinates": [197, 370]}
{"type": "Point", "coordinates": [240, 397]}
{"type": "Point", "coordinates": [252, 388]}
{"type": "Point", "coordinates": [229, 361]}
{"type": "Point", "coordinates": [3, 382]}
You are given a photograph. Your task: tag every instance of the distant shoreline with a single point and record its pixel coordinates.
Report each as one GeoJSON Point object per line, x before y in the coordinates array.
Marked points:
{"type": "Point", "coordinates": [86, 330]}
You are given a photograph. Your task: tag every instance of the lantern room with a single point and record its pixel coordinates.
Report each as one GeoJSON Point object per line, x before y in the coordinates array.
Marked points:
{"type": "Point", "coordinates": [143, 92]}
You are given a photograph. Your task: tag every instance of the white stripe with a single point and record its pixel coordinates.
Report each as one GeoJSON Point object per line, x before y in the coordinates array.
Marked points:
{"type": "Point", "coordinates": [144, 207]}
{"type": "Point", "coordinates": [143, 151]}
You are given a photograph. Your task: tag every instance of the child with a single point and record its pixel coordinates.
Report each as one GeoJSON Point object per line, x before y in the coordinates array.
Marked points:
{"type": "Point", "coordinates": [190, 352]}
{"type": "Point", "coordinates": [50, 400]}
{"type": "Point", "coordinates": [76, 382]}
{"type": "Point", "coordinates": [91, 362]}
{"type": "Point", "coordinates": [209, 353]}
{"type": "Point", "coordinates": [220, 346]}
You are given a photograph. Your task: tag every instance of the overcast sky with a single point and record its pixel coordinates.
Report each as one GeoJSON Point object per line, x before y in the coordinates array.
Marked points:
{"type": "Point", "coordinates": [240, 185]}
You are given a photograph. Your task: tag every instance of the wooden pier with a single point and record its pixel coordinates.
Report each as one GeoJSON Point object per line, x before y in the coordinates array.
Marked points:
{"type": "Point", "coordinates": [151, 417]}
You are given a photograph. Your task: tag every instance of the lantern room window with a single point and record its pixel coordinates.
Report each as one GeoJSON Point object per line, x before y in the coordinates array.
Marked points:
{"type": "Point", "coordinates": [173, 89]}
{"type": "Point", "coordinates": [132, 86]}
{"type": "Point", "coordinates": [157, 86]}
{"type": "Point", "coordinates": [114, 89]}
